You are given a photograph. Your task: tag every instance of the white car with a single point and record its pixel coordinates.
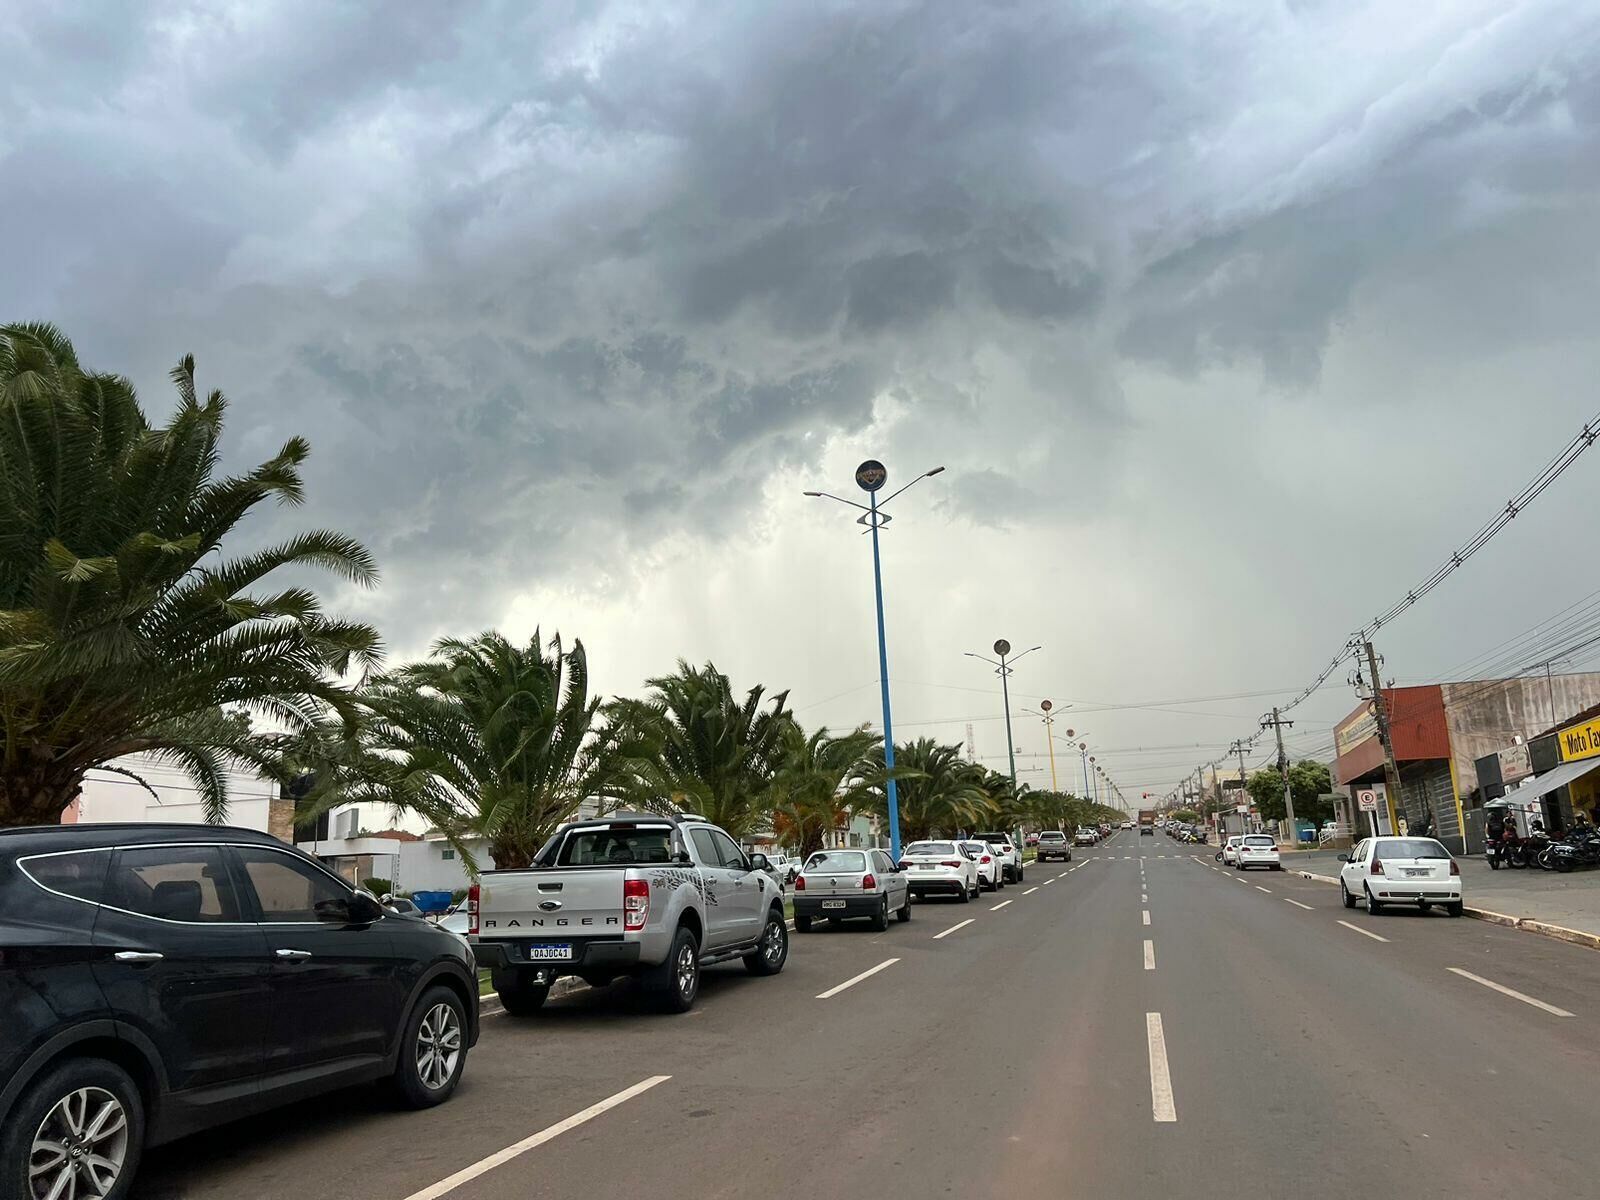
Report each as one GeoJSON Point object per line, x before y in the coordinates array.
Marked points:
{"type": "Point", "coordinates": [457, 923]}
{"type": "Point", "coordinates": [990, 876]}
{"type": "Point", "coordinates": [1127, 824]}
{"type": "Point", "coordinates": [1010, 854]}
{"type": "Point", "coordinates": [940, 869]}
{"type": "Point", "coordinates": [1400, 870]}
{"type": "Point", "coordinates": [1257, 850]}
{"type": "Point", "coordinates": [783, 867]}
{"type": "Point", "coordinates": [1230, 848]}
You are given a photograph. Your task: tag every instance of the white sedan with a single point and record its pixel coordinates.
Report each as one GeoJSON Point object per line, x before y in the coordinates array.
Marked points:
{"type": "Point", "coordinates": [940, 868]}
{"type": "Point", "coordinates": [1400, 870]}
{"type": "Point", "coordinates": [990, 876]}
{"type": "Point", "coordinates": [1258, 850]}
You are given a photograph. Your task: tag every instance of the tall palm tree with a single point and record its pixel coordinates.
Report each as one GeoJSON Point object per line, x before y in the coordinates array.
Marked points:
{"type": "Point", "coordinates": [118, 634]}
{"type": "Point", "coordinates": [484, 739]}
{"type": "Point", "coordinates": [821, 780]}
{"type": "Point", "coordinates": [693, 746]}
{"type": "Point", "coordinates": [937, 791]}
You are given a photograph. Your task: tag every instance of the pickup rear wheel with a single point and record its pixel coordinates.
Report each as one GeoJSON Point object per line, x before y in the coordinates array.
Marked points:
{"type": "Point", "coordinates": [773, 950]}
{"type": "Point", "coordinates": [517, 991]}
{"type": "Point", "coordinates": [673, 984]}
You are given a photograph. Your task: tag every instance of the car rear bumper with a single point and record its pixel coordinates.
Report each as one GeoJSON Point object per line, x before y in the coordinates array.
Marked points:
{"type": "Point", "coordinates": [1064, 853]}
{"type": "Point", "coordinates": [1416, 891]}
{"type": "Point", "coordinates": [928, 885]}
{"type": "Point", "coordinates": [864, 905]}
{"type": "Point", "coordinates": [1260, 860]}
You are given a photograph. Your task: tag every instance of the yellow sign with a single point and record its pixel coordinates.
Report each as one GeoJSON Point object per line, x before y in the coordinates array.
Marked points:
{"type": "Point", "coordinates": [1579, 741]}
{"type": "Point", "coordinates": [1355, 730]}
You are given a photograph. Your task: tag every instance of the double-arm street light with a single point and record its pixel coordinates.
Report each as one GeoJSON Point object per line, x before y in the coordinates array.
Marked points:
{"type": "Point", "coordinates": [870, 478]}
{"type": "Point", "coordinates": [1003, 669]}
{"type": "Point", "coordinates": [1049, 736]}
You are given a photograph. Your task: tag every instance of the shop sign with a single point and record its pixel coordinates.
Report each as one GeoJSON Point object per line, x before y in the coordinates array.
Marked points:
{"type": "Point", "coordinates": [1579, 741]}
{"type": "Point", "coordinates": [1515, 762]}
{"type": "Point", "coordinates": [1356, 730]}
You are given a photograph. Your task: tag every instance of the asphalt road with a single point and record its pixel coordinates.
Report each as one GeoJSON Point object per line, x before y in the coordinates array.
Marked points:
{"type": "Point", "coordinates": [1028, 1052]}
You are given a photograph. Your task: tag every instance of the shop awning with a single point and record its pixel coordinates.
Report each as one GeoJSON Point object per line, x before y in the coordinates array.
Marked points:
{"type": "Point", "coordinates": [1543, 785]}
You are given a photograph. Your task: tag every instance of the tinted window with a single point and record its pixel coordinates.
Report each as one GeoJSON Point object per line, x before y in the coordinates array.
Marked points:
{"type": "Point", "coordinates": [1412, 848]}
{"type": "Point", "coordinates": [286, 888]}
{"type": "Point", "coordinates": [1051, 836]}
{"type": "Point", "coordinates": [174, 883]}
{"type": "Point", "coordinates": [837, 860]}
{"type": "Point", "coordinates": [732, 856]}
{"type": "Point", "coordinates": [79, 875]}
{"type": "Point", "coordinates": [930, 848]}
{"type": "Point", "coordinates": [1261, 840]}
{"type": "Point", "coordinates": [624, 847]}
{"type": "Point", "coordinates": [705, 848]}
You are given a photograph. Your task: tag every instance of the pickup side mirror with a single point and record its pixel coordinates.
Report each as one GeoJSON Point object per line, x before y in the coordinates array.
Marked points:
{"type": "Point", "coordinates": [760, 862]}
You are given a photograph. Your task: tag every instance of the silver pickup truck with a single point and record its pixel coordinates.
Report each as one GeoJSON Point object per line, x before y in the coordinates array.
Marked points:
{"type": "Point", "coordinates": [653, 897]}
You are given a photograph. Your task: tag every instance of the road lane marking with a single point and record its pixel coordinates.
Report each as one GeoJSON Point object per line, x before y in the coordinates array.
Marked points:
{"type": "Point", "coordinates": [1259, 888]}
{"type": "Point", "coordinates": [1161, 1104]}
{"type": "Point", "coordinates": [1002, 904]}
{"type": "Point", "coordinates": [1363, 932]}
{"type": "Point", "coordinates": [1143, 898]}
{"type": "Point", "coordinates": [482, 1166]}
{"type": "Point", "coordinates": [1147, 916]}
{"type": "Point", "coordinates": [1512, 992]}
{"type": "Point", "coordinates": [1149, 955]}
{"type": "Point", "coordinates": [953, 928]}
{"type": "Point", "coordinates": [1029, 892]}
{"type": "Point", "coordinates": [851, 982]}
{"type": "Point", "coordinates": [1297, 904]}
{"type": "Point", "coordinates": [1048, 882]}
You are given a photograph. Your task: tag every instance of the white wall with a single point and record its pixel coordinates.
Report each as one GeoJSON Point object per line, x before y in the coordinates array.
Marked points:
{"type": "Point", "coordinates": [110, 797]}
{"type": "Point", "coordinates": [424, 867]}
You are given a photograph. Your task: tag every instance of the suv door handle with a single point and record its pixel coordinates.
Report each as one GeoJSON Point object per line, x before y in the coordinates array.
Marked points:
{"type": "Point", "coordinates": [292, 955]}
{"type": "Point", "coordinates": [137, 956]}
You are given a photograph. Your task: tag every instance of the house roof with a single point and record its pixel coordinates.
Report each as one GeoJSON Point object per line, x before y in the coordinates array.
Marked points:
{"type": "Point", "coordinates": [394, 835]}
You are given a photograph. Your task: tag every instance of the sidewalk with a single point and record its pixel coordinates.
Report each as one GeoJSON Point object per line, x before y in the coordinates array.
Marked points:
{"type": "Point", "coordinates": [1530, 897]}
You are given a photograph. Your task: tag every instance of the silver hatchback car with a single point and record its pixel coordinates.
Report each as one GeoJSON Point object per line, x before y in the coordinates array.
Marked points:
{"type": "Point", "coordinates": [841, 884]}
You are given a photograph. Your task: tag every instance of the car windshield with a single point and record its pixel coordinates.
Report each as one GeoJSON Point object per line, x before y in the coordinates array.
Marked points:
{"type": "Point", "coordinates": [1411, 848]}
{"type": "Point", "coordinates": [931, 848]}
{"type": "Point", "coordinates": [840, 861]}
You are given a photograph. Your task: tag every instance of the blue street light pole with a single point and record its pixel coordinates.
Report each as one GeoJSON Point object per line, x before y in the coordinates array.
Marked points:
{"type": "Point", "coordinates": [870, 477]}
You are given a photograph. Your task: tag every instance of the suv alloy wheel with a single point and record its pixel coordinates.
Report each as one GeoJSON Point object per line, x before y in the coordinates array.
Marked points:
{"type": "Point", "coordinates": [78, 1131]}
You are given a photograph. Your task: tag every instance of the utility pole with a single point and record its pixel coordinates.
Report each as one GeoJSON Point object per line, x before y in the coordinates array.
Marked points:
{"type": "Point", "coordinates": [1380, 713]}
{"type": "Point", "coordinates": [1277, 723]}
{"type": "Point", "coordinates": [1244, 789]}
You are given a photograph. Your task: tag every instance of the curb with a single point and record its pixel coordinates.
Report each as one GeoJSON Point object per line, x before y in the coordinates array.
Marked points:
{"type": "Point", "coordinates": [1561, 933]}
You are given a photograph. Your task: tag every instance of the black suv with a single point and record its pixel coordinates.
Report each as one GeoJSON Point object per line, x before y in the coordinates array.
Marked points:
{"type": "Point", "coordinates": [159, 979]}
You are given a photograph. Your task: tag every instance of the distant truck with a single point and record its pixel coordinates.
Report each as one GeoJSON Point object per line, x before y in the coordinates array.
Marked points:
{"type": "Point", "coordinates": [1147, 822]}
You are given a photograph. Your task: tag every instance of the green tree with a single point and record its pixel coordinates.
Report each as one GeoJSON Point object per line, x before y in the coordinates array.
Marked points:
{"type": "Point", "coordinates": [821, 780]}
{"type": "Point", "coordinates": [483, 739]}
{"type": "Point", "coordinates": [1309, 781]}
{"type": "Point", "coordinates": [123, 630]}
{"type": "Point", "coordinates": [1184, 816]}
{"type": "Point", "coordinates": [694, 746]}
{"type": "Point", "coordinates": [938, 791]}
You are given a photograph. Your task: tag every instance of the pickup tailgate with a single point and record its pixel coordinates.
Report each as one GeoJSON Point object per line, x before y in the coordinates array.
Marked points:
{"type": "Point", "coordinates": [551, 903]}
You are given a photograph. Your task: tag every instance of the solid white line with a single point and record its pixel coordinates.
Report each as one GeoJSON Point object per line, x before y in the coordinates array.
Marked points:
{"type": "Point", "coordinates": [953, 928]}
{"type": "Point", "coordinates": [467, 1174]}
{"type": "Point", "coordinates": [1161, 1103]}
{"type": "Point", "coordinates": [1002, 904]}
{"type": "Point", "coordinates": [1147, 916]}
{"type": "Point", "coordinates": [867, 974]}
{"type": "Point", "coordinates": [1149, 955]}
{"type": "Point", "coordinates": [1297, 904]}
{"type": "Point", "coordinates": [1259, 888]}
{"type": "Point", "coordinates": [1363, 932]}
{"type": "Point", "coordinates": [1030, 891]}
{"type": "Point", "coordinates": [1505, 991]}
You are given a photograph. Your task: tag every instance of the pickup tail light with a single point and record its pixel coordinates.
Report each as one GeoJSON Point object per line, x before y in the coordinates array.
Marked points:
{"type": "Point", "coordinates": [1455, 867]}
{"type": "Point", "coordinates": [472, 909]}
{"type": "Point", "coordinates": [799, 883]}
{"type": "Point", "coordinates": [635, 903]}
{"type": "Point", "coordinates": [869, 881]}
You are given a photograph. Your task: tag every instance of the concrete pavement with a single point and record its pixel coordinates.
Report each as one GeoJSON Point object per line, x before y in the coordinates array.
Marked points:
{"type": "Point", "coordinates": [1253, 1037]}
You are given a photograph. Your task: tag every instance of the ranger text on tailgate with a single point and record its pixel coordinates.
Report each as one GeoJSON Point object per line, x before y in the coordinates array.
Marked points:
{"type": "Point", "coordinates": [653, 897]}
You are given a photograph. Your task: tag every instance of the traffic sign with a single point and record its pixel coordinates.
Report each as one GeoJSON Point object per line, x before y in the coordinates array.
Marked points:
{"type": "Point", "coordinates": [1367, 799]}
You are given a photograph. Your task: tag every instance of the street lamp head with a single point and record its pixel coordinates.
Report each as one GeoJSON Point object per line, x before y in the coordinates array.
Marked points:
{"type": "Point", "coordinates": [1002, 647]}
{"type": "Point", "coordinates": [1045, 704]}
{"type": "Point", "coordinates": [811, 493]}
{"type": "Point", "coordinates": [1083, 745]}
{"type": "Point", "coordinates": [935, 471]}
{"type": "Point", "coordinates": [1070, 733]}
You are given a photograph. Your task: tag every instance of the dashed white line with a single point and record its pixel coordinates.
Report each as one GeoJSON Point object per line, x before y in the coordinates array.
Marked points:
{"type": "Point", "coordinates": [1363, 932]}
{"type": "Point", "coordinates": [1002, 904]}
{"type": "Point", "coordinates": [1048, 882]}
{"type": "Point", "coordinates": [467, 1174]}
{"type": "Point", "coordinates": [953, 928]}
{"type": "Point", "coordinates": [1143, 898]}
{"type": "Point", "coordinates": [855, 979]}
{"type": "Point", "coordinates": [1512, 992]}
{"type": "Point", "coordinates": [1259, 888]}
{"type": "Point", "coordinates": [1297, 904]}
{"type": "Point", "coordinates": [1147, 916]}
{"type": "Point", "coordinates": [1161, 1103]}
{"type": "Point", "coordinates": [1149, 955]}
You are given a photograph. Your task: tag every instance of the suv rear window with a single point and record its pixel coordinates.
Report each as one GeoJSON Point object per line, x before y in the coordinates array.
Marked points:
{"type": "Point", "coordinates": [80, 874]}
{"type": "Point", "coordinates": [838, 860]}
{"type": "Point", "coordinates": [173, 883]}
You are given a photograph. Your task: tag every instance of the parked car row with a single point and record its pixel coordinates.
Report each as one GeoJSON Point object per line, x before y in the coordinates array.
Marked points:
{"type": "Point", "coordinates": [1183, 832]}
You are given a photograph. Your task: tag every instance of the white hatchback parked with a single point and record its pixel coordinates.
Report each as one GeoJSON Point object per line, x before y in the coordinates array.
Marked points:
{"type": "Point", "coordinates": [1230, 849]}
{"type": "Point", "coordinates": [1258, 850]}
{"type": "Point", "coordinates": [1400, 870]}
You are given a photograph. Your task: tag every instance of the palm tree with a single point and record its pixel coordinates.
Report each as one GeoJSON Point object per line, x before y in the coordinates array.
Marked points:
{"type": "Point", "coordinates": [693, 746]}
{"type": "Point", "coordinates": [117, 634]}
{"type": "Point", "coordinates": [820, 781]}
{"type": "Point", "coordinates": [484, 739]}
{"type": "Point", "coordinates": [937, 790]}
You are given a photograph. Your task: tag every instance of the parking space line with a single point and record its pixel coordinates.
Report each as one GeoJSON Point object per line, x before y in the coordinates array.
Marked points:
{"type": "Point", "coordinates": [1363, 932]}
{"type": "Point", "coordinates": [855, 979]}
{"type": "Point", "coordinates": [467, 1174]}
{"type": "Point", "coordinates": [1512, 992]}
{"type": "Point", "coordinates": [1147, 916]}
{"type": "Point", "coordinates": [998, 907]}
{"type": "Point", "coordinates": [1297, 904]}
{"type": "Point", "coordinates": [1259, 888]}
{"type": "Point", "coordinates": [1029, 892]}
{"type": "Point", "coordinates": [1149, 955]}
{"type": "Point", "coordinates": [958, 925]}
{"type": "Point", "coordinates": [1161, 1103]}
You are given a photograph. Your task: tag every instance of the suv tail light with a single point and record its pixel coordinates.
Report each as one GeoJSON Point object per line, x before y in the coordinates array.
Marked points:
{"type": "Point", "coordinates": [635, 903]}
{"type": "Point", "coordinates": [868, 882]}
{"type": "Point", "coordinates": [799, 883]}
{"type": "Point", "coordinates": [1455, 867]}
{"type": "Point", "coordinates": [472, 909]}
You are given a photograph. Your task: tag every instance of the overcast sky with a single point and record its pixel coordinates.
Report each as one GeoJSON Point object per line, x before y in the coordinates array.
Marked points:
{"type": "Point", "coordinates": [1228, 321]}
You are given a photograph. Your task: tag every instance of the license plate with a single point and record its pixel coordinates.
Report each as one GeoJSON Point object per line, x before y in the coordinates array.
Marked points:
{"type": "Point", "coordinates": [1418, 872]}
{"type": "Point", "coordinates": [833, 904]}
{"type": "Point", "coordinates": [547, 951]}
